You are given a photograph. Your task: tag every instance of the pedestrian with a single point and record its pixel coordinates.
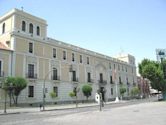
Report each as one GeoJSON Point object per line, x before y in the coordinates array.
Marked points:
{"type": "Point", "coordinates": [40, 106]}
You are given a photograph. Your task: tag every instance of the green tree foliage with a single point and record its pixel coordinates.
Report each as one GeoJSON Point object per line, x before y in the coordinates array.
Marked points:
{"type": "Point", "coordinates": [53, 95]}
{"type": "Point", "coordinates": [122, 90]}
{"type": "Point", "coordinates": [135, 91]}
{"type": "Point", "coordinates": [17, 84]}
{"type": "Point", "coordinates": [72, 94]}
{"type": "Point", "coordinates": [87, 89]}
{"type": "Point", "coordinates": [155, 72]}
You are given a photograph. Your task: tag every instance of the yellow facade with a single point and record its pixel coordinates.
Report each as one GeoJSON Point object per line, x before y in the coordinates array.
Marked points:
{"type": "Point", "coordinates": [34, 53]}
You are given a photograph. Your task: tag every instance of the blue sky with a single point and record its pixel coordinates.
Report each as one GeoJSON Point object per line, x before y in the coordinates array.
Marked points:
{"type": "Point", "coordinates": [137, 27]}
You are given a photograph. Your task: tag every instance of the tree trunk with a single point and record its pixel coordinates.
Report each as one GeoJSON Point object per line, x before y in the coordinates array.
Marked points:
{"type": "Point", "coordinates": [16, 100]}
{"type": "Point", "coordinates": [13, 98]}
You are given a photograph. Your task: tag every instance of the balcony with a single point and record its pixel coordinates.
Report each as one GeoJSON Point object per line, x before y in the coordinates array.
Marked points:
{"type": "Point", "coordinates": [134, 84]}
{"type": "Point", "coordinates": [112, 82]}
{"type": "Point", "coordinates": [57, 78]}
{"type": "Point", "coordinates": [74, 79]}
{"type": "Point", "coordinates": [102, 81]}
{"type": "Point", "coordinates": [90, 80]}
{"type": "Point", "coordinates": [2, 74]}
{"type": "Point", "coordinates": [120, 82]}
{"type": "Point", "coordinates": [128, 84]}
{"type": "Point", "coordinates": [31, 76]}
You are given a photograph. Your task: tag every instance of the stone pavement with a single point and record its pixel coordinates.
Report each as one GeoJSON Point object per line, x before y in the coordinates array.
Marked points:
{"type": "Point", "coordinates": [151, 113]}
{"type": "Point", "coordinates": [15, 110]}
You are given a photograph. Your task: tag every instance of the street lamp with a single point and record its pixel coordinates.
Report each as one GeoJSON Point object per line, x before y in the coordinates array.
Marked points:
{"type": "Point", "coordinates": [44, 93]}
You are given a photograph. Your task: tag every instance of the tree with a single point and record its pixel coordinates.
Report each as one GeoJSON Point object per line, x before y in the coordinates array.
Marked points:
{"type": "Point", "coordinates": [17, 84]}
{"type": "Point", "coordinates": [135, 91]}
{"type": "Point", "coordinates": [72, 94]}
{"type": "Point", "coordinates": [8, 87]}
{"type": "Point", "coordinates": [155, 72]}
{"type": "Point", "coordinates": [53, 95]}
{"type": "Point", "coordinates": [122, 91]}
{"type": "Point", "coordinates": [87, 89]}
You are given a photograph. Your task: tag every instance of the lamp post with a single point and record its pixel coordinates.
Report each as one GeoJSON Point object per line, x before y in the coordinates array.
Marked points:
{"type": "Point", "coordinates": [5, 101]}
{"type": "Point", "coordinates": [44, 93]}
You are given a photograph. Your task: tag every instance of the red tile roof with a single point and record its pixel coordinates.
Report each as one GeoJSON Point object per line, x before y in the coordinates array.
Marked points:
{"type": "Point", "coordinates": [2, 46]}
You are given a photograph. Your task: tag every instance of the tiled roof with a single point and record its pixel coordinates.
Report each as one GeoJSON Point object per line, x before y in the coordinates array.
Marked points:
{"type": "Point", "coordinates": [2, 46]}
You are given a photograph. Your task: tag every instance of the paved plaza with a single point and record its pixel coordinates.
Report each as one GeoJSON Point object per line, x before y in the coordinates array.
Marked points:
{"type": "Point", "coordinates": [141, 114]}
{"type": "Point", "coordinates": [147, 113]}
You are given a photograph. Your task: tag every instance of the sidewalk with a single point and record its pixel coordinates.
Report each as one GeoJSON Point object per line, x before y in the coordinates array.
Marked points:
{"type": "Point", "coordinates": [19, 110]}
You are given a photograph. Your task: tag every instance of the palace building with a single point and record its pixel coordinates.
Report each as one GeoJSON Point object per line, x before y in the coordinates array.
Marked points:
{"type": "Point", "coordinates": [27, 51]}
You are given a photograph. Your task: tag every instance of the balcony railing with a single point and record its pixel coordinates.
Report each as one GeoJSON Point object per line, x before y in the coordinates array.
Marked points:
{"type": "Point", "coordinates": [120, 82]}
{"type": "Point", "coordinates": [102, 81]}
{"type": "Point", "coordinates": [31, 76]}
{"type": "Point", "coordinates": [112, 82]}
{"type": "Point", "coordinates": [128, 83]}
{"type": "Point", "coordinates": [55, 78]}
{"type": "Point", "coordinates": [134, 84]}
{"type": "Point", "coordinates": [2, 74]}
{"type": "Point", "coordinates": [90, 80]}
{"type": "Point", "coordinates": [74, 79]}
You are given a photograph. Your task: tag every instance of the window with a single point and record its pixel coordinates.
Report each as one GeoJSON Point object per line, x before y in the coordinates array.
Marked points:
{"type": "Point", "coordinates": [54, 53]}
{"type": "Point", "coordinates": [114, 66]}
{"type": "Point", "coordinates": [120, 82]}
{"type": "Point", "coordinates": [1, 74]}
{"type": "Point", "coordinates": [80, 58]}
{"type": "Point", "coordinates": [3, 28]}
{"type": "Point", "coordinates": [126, 69]}
{"type": "Point", "coordinates": [55, 90]}
{"type": "Point", "coordinates": [31, 91]}
{"type": "Point", "coordinates": [30, 47]}
{"type": "Point", "coordinates": [64, 55]}
{"type": "Point", "coordinates": [38, 31]}
{"type": "Point", "coordinates": [110, 65]}
{"type": "Point", "coordinates": [122, 68]}
{"type": "Point", "coordinates": [118, 67]}
{"type": "Point", "coordinates": [30, 70]}
{"type": "Point", "coordinates": [127, 80]}
{"type": "Point", "coordinates": [74, 76]}
{"type": "Point", "coordinates": [89, 77]}
{"type": "Point", "coordinates": [112, 91]}
{"type": "Point", "coordinates": [111, 80]}
{"type": "Point", "coordinates": [31, 28]}
{"type": "Point", "coordinates": [55, 74]}
{"type": "Point", "coordinates": [101, 77]}
{"type": "Point", "coordinates": [87, 60]}
{"type": "Point", "coordinates": [73, 57]}
{"type": "Point", "coordinates": [23, 26]}
{"type": "Point", "coordinates": [133, 81]}
{"type": "Point", "coordinates": [132, 70]}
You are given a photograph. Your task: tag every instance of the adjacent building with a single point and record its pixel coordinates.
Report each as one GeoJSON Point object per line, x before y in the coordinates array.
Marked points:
{"type": "Point", "coordinates": [160, 54]}
{"type": "Point", "coordinates": [27, 51]}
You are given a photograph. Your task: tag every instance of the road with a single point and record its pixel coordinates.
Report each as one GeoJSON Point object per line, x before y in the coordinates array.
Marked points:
{"type": "Point", "coordinates": [115, 113]}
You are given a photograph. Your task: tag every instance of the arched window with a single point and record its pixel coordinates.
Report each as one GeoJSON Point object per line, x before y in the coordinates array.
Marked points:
{"type": "Point", "coordinates": [38, 31]}
{"type": "Point", "coordinates": [3, 28]}
{"type": "Point", "coordinates": [23, 26]}
{"type": "Point", "coordinates": [30, 28]}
